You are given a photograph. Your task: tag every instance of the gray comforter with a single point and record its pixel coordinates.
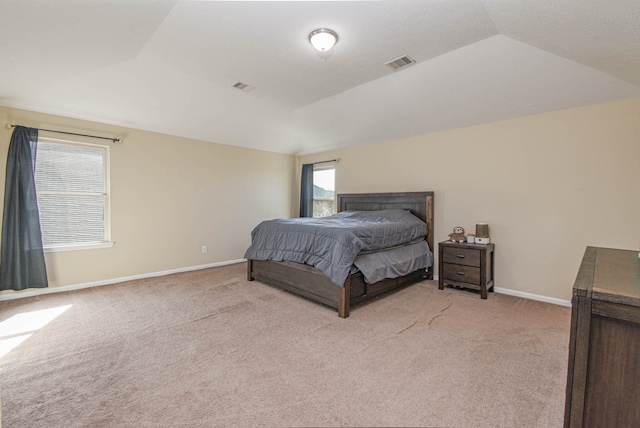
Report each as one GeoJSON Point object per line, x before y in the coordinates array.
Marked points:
{"type": "Point", "coordinates": [332, 243]}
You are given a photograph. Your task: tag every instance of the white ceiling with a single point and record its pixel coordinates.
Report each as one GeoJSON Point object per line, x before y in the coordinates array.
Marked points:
{"type": "Point", "coordinates": [169, 66]}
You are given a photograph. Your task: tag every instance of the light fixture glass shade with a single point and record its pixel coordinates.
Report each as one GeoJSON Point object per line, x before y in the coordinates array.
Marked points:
{"type": "Point", "coordinates": [323, 39]}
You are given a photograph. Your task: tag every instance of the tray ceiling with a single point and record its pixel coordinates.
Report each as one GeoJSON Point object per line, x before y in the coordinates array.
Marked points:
{"type": "Point", "coordinates": [170, 66]}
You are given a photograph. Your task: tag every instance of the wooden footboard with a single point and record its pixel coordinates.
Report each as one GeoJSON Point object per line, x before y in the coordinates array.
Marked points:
{"type": "Point", "coordinates": [309, 282]}
{"type": "Point", "coordinates": [303, 280]}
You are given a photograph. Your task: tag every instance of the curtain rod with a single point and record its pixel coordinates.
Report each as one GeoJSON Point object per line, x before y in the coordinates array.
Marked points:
{"type": "Point", "coordinates": [115, 140]}
{"type": "Point", "coordinates": [327, 161]}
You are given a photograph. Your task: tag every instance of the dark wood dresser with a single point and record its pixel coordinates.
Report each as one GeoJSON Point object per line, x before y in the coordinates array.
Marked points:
{"type": "Point", "coordinates": [603, 381]}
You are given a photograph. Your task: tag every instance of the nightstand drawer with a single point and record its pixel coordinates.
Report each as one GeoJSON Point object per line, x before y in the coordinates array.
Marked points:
{"type": "Point", "coordinates": [461, 273]}
{"type": "Point", "coordinates": [461, 256]}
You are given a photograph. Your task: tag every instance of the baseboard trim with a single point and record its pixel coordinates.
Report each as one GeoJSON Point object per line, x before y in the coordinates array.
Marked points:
{"type": "Point", "coordinates": [529, 296]}
{"type": "Point", "coordinates": [41, 291]}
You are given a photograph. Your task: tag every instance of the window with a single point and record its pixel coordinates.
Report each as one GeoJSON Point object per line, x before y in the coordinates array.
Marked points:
{"type": "Point", "coordinates": [324, 201]}
{"type": "Point", "coordinates": [72, 184]}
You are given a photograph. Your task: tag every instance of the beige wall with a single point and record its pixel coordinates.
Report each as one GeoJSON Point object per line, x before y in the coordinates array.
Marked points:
{"type": "Point", "coordinates": [169, 197]}
{"type": "Point", "coordinates": [548, 185]}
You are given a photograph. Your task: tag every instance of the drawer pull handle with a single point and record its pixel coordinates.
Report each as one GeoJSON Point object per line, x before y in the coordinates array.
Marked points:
{"type": "Point", "coordinates": [460, 273]}
{"type": "Point", "coordinates": [460, 256]}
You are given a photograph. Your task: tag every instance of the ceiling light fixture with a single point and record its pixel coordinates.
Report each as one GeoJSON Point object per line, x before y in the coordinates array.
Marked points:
{"type": "Point", "coordinates": [323, 39]}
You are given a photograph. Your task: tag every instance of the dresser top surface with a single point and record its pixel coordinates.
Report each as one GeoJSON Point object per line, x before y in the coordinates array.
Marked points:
{"type": "Point", "coordinates": [616, 275]}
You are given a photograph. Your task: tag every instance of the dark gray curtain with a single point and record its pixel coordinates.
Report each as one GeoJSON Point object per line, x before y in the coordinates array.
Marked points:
{"type": "Point", "coordinates": [22, 264]}
{"type": "Point", "coordinates": [306, 191]}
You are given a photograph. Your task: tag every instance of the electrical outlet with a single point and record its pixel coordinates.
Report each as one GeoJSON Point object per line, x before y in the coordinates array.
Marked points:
{"type": "Point", "coordinates": [204, 249]}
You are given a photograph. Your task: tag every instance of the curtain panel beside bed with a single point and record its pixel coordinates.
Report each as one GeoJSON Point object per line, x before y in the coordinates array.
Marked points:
{"type": "Point", "coordinates": [306, 191]}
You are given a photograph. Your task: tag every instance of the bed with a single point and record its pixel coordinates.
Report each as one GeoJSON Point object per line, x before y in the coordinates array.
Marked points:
{"type": "Point", "coordinates": [309, 282]}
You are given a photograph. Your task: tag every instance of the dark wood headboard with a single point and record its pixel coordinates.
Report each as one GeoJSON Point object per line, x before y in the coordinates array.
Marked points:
{"type": "Point", "coordinates": [419, 203]}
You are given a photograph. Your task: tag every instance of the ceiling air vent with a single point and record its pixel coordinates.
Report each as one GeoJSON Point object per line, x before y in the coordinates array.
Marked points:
{"type": "Point", "coordinates": [400, 63]}
{"type": "Point", "coordinates": [244, 87]}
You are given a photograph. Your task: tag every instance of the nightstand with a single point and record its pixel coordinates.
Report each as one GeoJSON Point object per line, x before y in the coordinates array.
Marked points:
{"type": "Point", "coordinates": [466, 265]}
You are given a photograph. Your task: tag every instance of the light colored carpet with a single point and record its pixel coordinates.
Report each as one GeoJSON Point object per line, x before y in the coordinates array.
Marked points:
{"type": "Point", "coordinates": [208, 348]}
